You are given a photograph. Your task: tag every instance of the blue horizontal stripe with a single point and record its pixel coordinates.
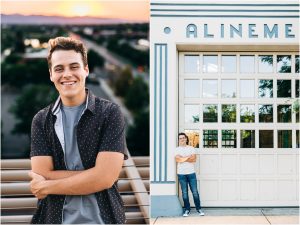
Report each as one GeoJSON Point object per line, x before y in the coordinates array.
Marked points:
{"type": "Point", "coordinates": [162, 182]}
{"type": "Point", "coordinates": [203, 4]}
{"type": "Point", "coordinates": [219, 10]}
{"type": "Point", "coordinates": [220, 16]}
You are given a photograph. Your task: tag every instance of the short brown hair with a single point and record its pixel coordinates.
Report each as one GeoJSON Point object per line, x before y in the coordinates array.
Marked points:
{"type": "Point", "coordinates": [187, 138]}
{"type": "Point", "coordinates": [66, 43]}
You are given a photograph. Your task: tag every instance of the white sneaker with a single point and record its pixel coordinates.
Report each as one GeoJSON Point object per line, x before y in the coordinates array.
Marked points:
{"type": "Point", "coordinates": [201, 213]}
{"type": "Point", "coordinates": [186, 213]}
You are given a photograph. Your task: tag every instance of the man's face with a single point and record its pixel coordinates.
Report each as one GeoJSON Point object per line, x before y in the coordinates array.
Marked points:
{"type": "Point", "coordinates": [68, 73]}
{"type": "Point", "coordinates": [182, 140]}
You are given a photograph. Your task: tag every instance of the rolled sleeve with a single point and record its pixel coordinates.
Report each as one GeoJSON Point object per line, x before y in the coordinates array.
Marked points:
{"type": "Point", "coordinates": [39, 143]}
{"type": "Point", "coordinates": [113, 132]}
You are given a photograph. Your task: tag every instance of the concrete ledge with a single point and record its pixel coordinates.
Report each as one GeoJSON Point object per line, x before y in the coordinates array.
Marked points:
{"type": "Point", "coordinates": [165, 205]}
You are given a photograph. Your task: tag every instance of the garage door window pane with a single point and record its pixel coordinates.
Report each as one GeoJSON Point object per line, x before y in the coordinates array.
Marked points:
{"type": "Point", "coordinates": [284, 88]}
{"type": "Point", "coordinates": [297, 138]}
{"type": "Point", "coordinates": [247, 88]}
{"type": "Point", "coordinates": [210, 88]}
{"type": "Point", "coordinates": [247, 138]}
{"type": "Point", "coordinates": [228, 113]}
{"type": "Point", "coordinates": [210, 113]}
{"type": "Point", "coordinates": [191, 88]}
{"type": "Point", "coordinates": [191, 113]}
{"type": "Point", "coordinates": [228, 138]}
{"type": "Point", "coordinates": [265, 64]}
{"type": "Point", "coordinates": [210, 138]}
{"type": "Point", "coordinates": [228, 88]}
{"type": "Point", "coordinates": [191, 63]}
{"type": "Point", "coordinates": [297, 59]}
{"type": "Point", "coordinates": [228, 64]}
{"type": "Point", "coordinates": [297, 90]}
{"type": "Point", "coordinates": [284, 113]}
{"type": "Point", "coordinates": [265, 88]}
{"type": "Point", "coordinates": [210, 64]}
{"type": "Point", "coordinates": [266, 139]}
{"type": "Point", "coordinates": [284, 138]}
{"type": "Point", "coordinates": [284, 64]}
{"type": "Point", "coordinates": [193, 136]}
{"type": "Point", "coordinates": [265, 113]}
{"type": "Point", "coordinates": [247, 64]}
{"type": "Point", "coordinates": [247, 114]}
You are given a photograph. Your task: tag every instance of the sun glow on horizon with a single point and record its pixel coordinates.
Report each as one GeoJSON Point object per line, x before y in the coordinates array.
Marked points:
{"type": "Point", "coordinates": [125, 9]}
{"type": "Point", "coordinates": [81, 10]}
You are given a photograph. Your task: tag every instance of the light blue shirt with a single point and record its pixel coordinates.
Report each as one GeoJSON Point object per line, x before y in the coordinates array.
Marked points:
{"type": "Point", "coordinates": [77, 208]}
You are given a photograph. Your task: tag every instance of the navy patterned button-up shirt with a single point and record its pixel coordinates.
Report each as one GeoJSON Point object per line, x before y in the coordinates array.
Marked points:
{"type": "Point", "coordinates": [101, 128]}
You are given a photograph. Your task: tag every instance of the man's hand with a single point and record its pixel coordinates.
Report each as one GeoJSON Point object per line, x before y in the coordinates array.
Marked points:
{"type": "Point", "coordinates": [36, 185]}
{"type": "Point", "coordinates": [192, 159]}
{"type": "Point", "coordinates": [181, 159]}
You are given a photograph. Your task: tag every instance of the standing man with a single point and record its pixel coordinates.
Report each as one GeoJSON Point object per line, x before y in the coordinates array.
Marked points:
{"type": "Point", "coordinates": [185, 157]}
{"type": "Point", "coordinates": [77, 146]}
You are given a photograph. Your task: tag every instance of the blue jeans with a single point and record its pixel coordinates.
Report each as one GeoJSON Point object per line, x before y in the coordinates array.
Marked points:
{"type": "Point", "coordinates": [185, 180]}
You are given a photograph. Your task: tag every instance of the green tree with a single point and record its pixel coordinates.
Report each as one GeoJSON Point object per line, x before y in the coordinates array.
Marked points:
{"type": "Point", "coordinates": [123, 82]}
{"type": "Point", "coordinates": [94, 60]}
{"type": "Point", "coordinates": [19, 42]}
{"type": "Point", "coordinates": [138, 135]}
{"type": "Point", "coordinates": [32, 99]}
{"type": "Point", "coordinates": [21, 74]}
{"type": "Point", "coordinates": [137, 96]}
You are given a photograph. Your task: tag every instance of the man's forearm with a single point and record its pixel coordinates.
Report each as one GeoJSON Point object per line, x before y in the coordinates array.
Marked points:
{"type": "Point", "coordinates": [181, 159]}
{"type": "Point", "coordinates": [59, 174]}
{"type": "Point", "coordinates": [84, 183]}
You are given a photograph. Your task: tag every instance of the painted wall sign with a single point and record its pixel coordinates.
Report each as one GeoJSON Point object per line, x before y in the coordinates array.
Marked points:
{"type": "Point", "coordinates": [240, 31]}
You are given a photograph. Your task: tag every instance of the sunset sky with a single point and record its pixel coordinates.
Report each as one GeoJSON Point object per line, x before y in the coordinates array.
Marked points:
{"type": "Point", "coordinates": [123, 9]}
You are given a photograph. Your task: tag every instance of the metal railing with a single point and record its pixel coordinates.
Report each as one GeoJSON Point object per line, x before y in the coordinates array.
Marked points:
{"type": "Point", "coordinates": [18, 204]}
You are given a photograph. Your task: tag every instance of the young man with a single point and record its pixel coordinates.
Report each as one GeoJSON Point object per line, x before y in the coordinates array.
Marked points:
{"type": "Point", "coordinates": [77, 146]}
{"type": "Point", "coordinates": [186, 158]}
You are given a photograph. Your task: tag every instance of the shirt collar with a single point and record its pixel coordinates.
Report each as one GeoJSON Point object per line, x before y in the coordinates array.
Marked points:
{"type": "Point", "coordinates": [89, 103]}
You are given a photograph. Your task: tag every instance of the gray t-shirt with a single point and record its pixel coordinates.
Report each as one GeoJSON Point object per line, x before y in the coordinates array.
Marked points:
{"type": "Point", "coordinates": [77, 208]}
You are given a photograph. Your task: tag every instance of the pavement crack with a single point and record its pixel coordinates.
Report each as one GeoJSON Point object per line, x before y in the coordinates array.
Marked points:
{"type": "Point", "coordinates": [262, 212]}
{"type": "Point", "coordinates": [155, 220]}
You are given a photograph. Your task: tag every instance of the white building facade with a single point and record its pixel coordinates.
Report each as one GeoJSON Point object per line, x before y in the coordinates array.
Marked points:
{"type": "Point", "coordinates": [227, 74]}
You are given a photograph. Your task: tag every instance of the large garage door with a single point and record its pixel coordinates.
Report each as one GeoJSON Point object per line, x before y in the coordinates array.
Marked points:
{"type": "Point", "coordinates": [239, 111]}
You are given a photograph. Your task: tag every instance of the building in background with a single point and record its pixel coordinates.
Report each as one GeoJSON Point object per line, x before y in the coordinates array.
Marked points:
{"type": "Point", "coordinates": [227, 74]}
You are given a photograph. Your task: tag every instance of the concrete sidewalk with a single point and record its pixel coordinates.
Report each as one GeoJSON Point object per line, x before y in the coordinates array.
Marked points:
{"type": "Point", "coordinates": [236, 216]}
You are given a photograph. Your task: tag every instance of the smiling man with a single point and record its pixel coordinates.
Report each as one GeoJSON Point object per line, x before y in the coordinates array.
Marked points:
{"type": "Point", "coordinates": [185, 156]}
{"type": "Point", "coordinates": [77, 146]}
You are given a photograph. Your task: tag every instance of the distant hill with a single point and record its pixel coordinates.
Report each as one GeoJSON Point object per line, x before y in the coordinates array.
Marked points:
{"type": "Point", "coordinates": [59, 20]}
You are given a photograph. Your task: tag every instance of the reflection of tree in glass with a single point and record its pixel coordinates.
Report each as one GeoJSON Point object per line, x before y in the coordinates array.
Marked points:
{"type": "Point", "coordinates": [247, 139]}
{"type": "Point", "coordinates": [229, 138]}
{"type": "Point", "coordinates": [210, 138]}
{"type": "Point", "coordinates": [210, 114]}
{"type": "Point", "coordinates": [297, 90]}
{"type": "Point", "coordinates": [265, 113]}
{"type": "Point", "coordinates": [195, 119]}
{"type": "Point", "coordinates": [267, 58]}
{"type": "Point", "coordinates": [297, 59]}
{"type": "Point", "coordinates": [265, 87]}
{"type": "Point", "coordinates": [231, 95]}
{"type": "Point", "coordinates": [284, 138]}
{"type": "Point", "coordinates": [284, 113]}
{"type": "Point", "coordinates": [296, 106]}
{"type": "Point", "coordinates": [228, 113]}
{"type": "Point", "coordinates": [286, 63]}
{"type": "Point", "coordinates": [245, 133]}
{"type": "Point", "coordinates": [247, 115]}
{"type": "Point", "coordinates": [283, 88]}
